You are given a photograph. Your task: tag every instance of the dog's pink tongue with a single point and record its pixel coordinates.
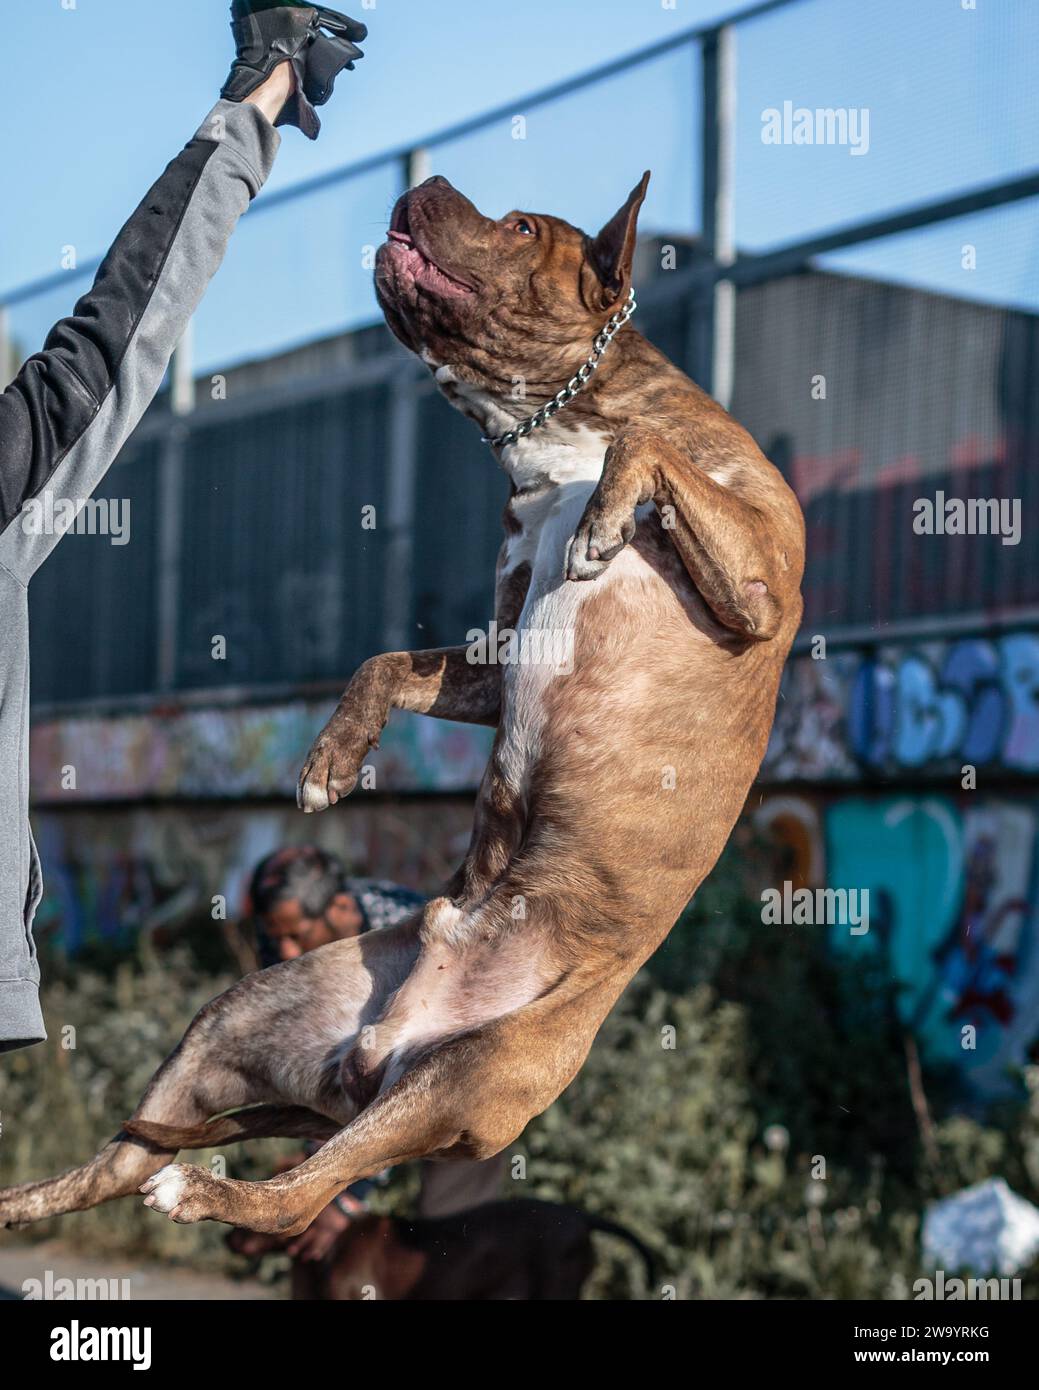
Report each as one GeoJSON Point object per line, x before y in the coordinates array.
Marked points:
{"type": "Point", "coordinates": [399, 236]}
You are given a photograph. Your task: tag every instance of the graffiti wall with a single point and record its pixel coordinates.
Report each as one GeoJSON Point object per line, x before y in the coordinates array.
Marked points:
{"type": "Point", "coordinates": [952, 890]}
{"type": "Point", "coordinates": [234, 752]}
{"type": "Point", "coordinates": [110, 874]}
{"type": "Point", "coordinates": [952, 885]}
{"type": "Point", "coordinates": [924, 709]}
{"type": "Point", "coordinates": [929, 708]}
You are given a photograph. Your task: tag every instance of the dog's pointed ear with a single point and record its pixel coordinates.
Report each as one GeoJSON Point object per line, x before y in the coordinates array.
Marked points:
{"type": "Point", "coordinates": [609, 256]}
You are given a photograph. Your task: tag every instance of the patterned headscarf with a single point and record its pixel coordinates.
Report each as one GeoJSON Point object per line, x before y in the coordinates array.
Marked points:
{"type": "Point", "coordinates": [382, 903]}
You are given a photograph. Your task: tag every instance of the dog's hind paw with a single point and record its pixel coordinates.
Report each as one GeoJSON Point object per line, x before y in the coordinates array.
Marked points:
{"type": "Point", "coordinates": [165, 1188]}
{"type": "Point", "coordinates": [185, 1193]}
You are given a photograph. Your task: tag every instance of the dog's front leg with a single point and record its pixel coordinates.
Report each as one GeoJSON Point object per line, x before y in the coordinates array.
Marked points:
{"type": "Point", "coordinates": [727, 539]}
{"type": "Point", "coordinates": [442, 682]}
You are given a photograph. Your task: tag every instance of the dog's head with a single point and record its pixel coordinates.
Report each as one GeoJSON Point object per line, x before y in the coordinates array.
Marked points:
{"type": "Point", "coordinates": [496, 301]}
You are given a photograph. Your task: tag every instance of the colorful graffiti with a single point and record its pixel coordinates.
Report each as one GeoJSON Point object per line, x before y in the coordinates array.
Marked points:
{"type": "Point", "coordinates": [953, 907]}
{"type": "Point", "coordinates": [809, 739]}
{"type": "Point", "coordinates": [952, 877]}
{"type": "Point", "coordinates": [236, 752]}
{"type": "Point", "coordinates": [934, 707]}
{"type": "Point", "coordinates": [794, 828]}
{"type": "Point", "coordinates": [930, 708]}
{"type": "Point", "coordinates": [952, 885]}
{"type": "Point", "coordinates": [110, 875]}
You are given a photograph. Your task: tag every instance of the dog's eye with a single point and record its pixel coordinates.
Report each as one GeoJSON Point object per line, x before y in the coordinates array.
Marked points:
{"type": "Point", "coordinates": [522, 226]}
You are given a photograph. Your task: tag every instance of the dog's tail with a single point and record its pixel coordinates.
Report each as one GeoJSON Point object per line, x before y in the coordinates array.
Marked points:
{"type": "Point", "coordinates": [614, 1228]}
{"type": "Point", "coordinates": [254, 1122]}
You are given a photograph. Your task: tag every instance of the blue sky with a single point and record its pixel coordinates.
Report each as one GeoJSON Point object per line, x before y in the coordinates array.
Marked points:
{"type": "Point", "coordinates": [949, 92]}
{"type": "Point", "coordinates": [128, 80]}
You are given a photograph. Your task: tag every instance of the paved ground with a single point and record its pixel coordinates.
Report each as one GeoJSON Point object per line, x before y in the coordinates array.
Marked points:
{"type": "Point", "coordinates": [146, 1281]}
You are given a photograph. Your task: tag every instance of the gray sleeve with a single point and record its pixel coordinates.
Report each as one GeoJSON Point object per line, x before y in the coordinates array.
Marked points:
{"type": "Point", "coordinates": [68, 413]}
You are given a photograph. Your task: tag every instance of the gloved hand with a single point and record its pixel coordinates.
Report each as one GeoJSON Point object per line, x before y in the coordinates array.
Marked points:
{"type": "Point", "coordinates": [269, 32]}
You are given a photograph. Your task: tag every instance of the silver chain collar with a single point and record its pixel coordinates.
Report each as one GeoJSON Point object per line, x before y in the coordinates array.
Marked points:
{"type": "Point", "coordinates": [574, 386]}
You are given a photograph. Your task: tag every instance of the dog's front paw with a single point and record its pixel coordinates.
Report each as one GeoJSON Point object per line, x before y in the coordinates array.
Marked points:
{"type": "Point", "coordinates": [598, 539]}
{"type": "Point", "coordinates": [332, 767]}
{"type": "Point", "coordinates": [184, 1192]}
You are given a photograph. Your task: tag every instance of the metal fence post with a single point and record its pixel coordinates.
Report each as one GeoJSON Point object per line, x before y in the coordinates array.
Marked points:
{"type": "Point", "coordinates": [715, 370]}
{"type": "Point", "coordinates": [182, 373]}
{"type": "Point", "coordinates": [418, 165]}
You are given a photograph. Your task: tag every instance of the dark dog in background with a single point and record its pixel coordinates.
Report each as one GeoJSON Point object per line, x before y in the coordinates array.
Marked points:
{"type": "Point", "coordinates": [523, 1249]}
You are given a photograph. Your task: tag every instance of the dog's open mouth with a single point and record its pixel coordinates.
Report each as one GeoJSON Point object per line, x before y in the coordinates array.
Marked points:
{"type": "Point", "coordinates": [412, 265]}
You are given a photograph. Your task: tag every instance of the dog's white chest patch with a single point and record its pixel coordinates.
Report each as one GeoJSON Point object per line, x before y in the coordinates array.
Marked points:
{"type": "Point", "coordinates": [555, 482]}
{"type": "Point", "coordinates": [555, 470]}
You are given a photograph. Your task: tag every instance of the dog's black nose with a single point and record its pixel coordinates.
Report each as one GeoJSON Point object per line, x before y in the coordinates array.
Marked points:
{"type": "Point", "coordinates": [435, 181]}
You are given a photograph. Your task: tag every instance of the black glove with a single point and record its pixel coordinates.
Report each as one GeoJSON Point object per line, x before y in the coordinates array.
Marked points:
{"type": "Point", "coordinates": [269, 32]}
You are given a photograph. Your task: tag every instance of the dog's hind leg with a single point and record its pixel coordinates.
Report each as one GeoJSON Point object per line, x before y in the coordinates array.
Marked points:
{"type": "Point", "coordinates": [229, 1060]}
{"type": "Point", "coordinates": [139, 1149]}
{"type": "Point", "coordinates": [122, 1165]}
{"type": "Point", "coordinates": [142, 1147]}
{"type": "Point", "coordinates": [468, 1097]}
{"type": "Point", "coordinates": [413, 1118]}
{"type": "Point", "coordinates": [115, 1171]}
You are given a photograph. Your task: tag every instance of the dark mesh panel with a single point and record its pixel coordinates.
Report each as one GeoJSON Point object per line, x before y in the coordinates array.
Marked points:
{"type": "Point", "coordinates": [92, 603]}
{"type": "Point", "coordinates": [275, 557]}
{"type": "Point", "coordinates": [461, 491]}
